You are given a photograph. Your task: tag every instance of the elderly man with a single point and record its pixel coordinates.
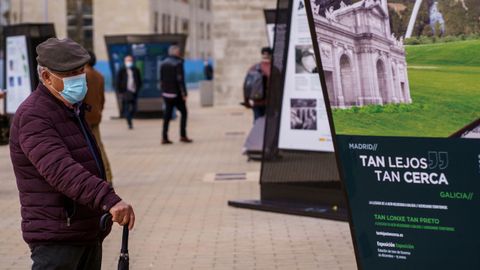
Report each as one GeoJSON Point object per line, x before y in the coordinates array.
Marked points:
{"type": "Point", "coordinates": [58, 166]}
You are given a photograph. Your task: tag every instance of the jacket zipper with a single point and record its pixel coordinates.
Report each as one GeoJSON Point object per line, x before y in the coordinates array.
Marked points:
{"type": "Point", "coordinates": [69, 216]}
{"type": "Point", "coordinates": [90, 146]}
{"type": "Point", "coordinates": [97, 162]}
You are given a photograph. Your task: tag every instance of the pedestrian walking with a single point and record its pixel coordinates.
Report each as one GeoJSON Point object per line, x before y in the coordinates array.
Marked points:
{"type": "Point", "coordinates": [95, 101]}
{"type": "Point", "coordinates": [129, 84]}
{"type": "Point", "coordinates": [58, 166]}
{"type": "Point", "coordinates": [174, 92]}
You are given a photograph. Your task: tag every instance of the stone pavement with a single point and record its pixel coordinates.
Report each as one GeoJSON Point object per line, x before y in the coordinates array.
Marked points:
{"type": "Point", "coordinates": [183, 222]}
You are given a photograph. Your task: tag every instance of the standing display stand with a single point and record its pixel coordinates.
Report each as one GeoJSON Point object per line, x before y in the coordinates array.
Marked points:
{"type": "Point", "coordinates": [20, 64]}
{"type": "Point", "coordinates": [148, 52]}
{"type": "Point", "coordinates": [299, 173]}
{"type": "Point", "coordinates": [412, 188]}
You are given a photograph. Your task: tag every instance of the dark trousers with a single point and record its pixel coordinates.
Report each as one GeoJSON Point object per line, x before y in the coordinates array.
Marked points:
{"type": "Point", "coordinates": [258, 111]}
{"type": "Point", "coordinates": [129, 108]}
{"type": "Point", "coordinates": [178, 103]}
{"type": "Point", "coordinates": [65, 257]}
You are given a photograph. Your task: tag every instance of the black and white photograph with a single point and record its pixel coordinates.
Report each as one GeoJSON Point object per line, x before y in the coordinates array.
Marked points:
{"type": "Point", "coordinates": [303, 114]}
{"type": "Point", "coordinates": [305, 59]}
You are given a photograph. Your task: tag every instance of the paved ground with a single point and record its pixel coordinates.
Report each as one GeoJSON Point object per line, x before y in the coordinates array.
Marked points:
{"type": "Point", "coordinates": [183, 222]}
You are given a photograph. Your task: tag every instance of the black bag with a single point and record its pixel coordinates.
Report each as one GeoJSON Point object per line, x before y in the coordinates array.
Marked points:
{"type": "Point", "coordinates": [253, 86]}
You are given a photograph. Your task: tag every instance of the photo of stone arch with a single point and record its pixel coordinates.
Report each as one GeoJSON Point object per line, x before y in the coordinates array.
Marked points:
{"type": "Point", "coordinates": [365, 63]}
{"type": "Point", "coordinates": [379, 86]}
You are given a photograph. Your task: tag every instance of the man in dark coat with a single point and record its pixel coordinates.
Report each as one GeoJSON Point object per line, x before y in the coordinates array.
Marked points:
{"type": "Point", "coordinates": [58, 166]}
{"type": "Point", "coordinates": [174, 92]}
{"type": "Point", "coordinates": [129, 84]}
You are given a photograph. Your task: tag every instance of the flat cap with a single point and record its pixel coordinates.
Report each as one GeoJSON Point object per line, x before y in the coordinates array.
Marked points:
{"type": "Point", "coordinates": [61, 55]}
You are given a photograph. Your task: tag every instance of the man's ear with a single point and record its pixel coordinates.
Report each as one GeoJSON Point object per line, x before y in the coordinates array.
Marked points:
{"type": "Point", "coordinates": [46, 77]}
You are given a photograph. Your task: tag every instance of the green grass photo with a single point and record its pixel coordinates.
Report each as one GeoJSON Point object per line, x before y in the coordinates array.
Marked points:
{"type": "Point", "coordinates": [445, 90]}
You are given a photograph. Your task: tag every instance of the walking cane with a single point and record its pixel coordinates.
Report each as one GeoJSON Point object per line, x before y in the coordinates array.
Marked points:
{"type": "Point", "coordinates": [123, 260]}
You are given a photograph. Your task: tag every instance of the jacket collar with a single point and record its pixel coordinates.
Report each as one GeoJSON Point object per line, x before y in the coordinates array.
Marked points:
{"type": "Point", "coordinates": [77, 108]}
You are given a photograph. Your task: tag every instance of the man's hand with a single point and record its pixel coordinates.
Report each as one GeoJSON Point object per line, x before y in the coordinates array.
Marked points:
{"type": "Point", "coordinates": [185, 98]}
{"type": "Point", "coordinates": [123, 214]}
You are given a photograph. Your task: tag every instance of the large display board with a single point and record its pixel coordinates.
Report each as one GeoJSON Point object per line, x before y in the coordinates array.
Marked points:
{"type": "Point", "coordinates": [148, 51]}
{"type": "Point", "coordinates": [412, 190]}
{"type": "Point", "coordinates": [304, 123]}
{"type": "Point", "coordinates": [21, 78]}
{"type": "Point", "coordinates": [17, 68]}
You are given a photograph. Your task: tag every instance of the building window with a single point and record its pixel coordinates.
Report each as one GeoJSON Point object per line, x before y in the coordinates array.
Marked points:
{"type": "Point", "coordinates": [208, 31]}
{"type": "Point", "coordinates": [80, 22]}
{"type": "Point", "coordinates": [175, 25]}
{"type": "Point", "coordinates": [155, 22]}
{"type": "Point", "coordinates": [202, 31]}
{"type": "Point", "coordinates": [200, 3]}
{"type": "Point", "coordinates": [166, 26]}
{"type": "Point", "coordinates": [185, 26]}
{"type": "Point", "coordinates": [207, 4]}
{"type": "Point", "coordinates": [163, 22]}
{"type": "Point", "coordinates": [169, 24]}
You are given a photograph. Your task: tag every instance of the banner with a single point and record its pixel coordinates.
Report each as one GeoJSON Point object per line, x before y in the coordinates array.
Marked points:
{"type": "Point", "coordinates": [17, 69]}
{"type": "Point", "coordinates": [406, 121]}
{"type": "Point", "coordinates": [304, 121]}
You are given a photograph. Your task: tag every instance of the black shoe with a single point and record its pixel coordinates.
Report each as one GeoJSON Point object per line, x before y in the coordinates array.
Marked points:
{"type": "Point", "coordinates": [186, 140]}
{"type": "Point", "coordinates": [167, 141]}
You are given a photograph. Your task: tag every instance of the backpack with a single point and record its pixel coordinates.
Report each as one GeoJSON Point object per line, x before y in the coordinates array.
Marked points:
{"type": "Point", "coordinates": [253, 86]}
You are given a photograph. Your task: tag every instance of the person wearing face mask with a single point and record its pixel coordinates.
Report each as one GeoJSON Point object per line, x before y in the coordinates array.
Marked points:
{"type": "Point", "coordinates": [58, 166]}
{"type": "Point", "coordinates": [129, 83]}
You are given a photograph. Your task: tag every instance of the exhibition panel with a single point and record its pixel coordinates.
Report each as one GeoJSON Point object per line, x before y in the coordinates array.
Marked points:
{"type": "Point", "coordinates": [20, 65]}
{"type": "Point", "coordinates": [148, 51]}
{"type": "Point", "coordinates": [393, 104]}
{"type": "Point", "coordinates": [299, 173]}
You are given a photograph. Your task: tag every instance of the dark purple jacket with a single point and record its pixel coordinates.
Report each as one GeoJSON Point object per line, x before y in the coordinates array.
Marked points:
{"type": "Point", "coordinates": [59, 177]}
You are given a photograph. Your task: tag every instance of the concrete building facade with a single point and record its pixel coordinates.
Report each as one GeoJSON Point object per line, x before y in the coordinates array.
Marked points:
{"type": "Point", "coordinates": [116, 17]}
{"type": "Point", "coordinates": [239, 34]}
{"type": "Point", "coordinates": [232, 32]}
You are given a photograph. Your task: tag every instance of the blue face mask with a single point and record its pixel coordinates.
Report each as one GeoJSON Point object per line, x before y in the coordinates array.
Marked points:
{"type": "Point", "coordinates": [74, 88]}
{"type": "Point", "coordinates": [129, 64]}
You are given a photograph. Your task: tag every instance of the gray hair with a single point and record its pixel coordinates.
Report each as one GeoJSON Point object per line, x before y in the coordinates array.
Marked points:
{"type": "Point", "coordinates": [40, 69]}
{"type": "Point", "coordinates": [172, 50]}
